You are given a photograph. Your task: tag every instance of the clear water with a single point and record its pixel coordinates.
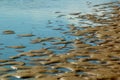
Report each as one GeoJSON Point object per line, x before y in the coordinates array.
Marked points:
{"type": "Point", "coordinates": [39, 18]}
{"type": "Point", "coordinates": [33, 16]}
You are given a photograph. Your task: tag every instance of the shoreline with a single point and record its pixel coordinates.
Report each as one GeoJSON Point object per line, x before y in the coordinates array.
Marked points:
{"type": "Point", "coordinates": [82, 61]}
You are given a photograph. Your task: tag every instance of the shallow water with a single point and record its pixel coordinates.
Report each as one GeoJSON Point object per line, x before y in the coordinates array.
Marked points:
{"type": "Point", "coordinates": [33, 16]}
{"type": "Point", "coordinates": [40, 18]}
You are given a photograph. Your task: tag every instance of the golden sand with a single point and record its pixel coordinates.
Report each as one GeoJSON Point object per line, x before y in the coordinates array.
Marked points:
{"type": "Point", "coordinates": [89, 62]}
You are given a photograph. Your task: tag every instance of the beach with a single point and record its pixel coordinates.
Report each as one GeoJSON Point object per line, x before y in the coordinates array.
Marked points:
{"type": "Point", "coordinates": [68, 40]}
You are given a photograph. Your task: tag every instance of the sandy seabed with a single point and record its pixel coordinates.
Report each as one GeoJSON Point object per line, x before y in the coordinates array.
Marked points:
{"type": "Point", "coordinates": [83, 62]}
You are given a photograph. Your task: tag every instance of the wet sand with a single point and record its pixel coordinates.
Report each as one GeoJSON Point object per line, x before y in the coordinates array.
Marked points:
{"type": "Point", "coordinates": [93, 55]}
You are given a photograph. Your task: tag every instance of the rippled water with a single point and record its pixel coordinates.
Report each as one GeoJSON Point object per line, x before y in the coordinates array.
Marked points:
{"type": "Point", "coordinates": [39, 18]}
{"type": "Point", "coordinates": [42, 18]}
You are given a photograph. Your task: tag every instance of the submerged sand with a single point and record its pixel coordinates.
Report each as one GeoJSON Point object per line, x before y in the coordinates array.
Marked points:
{"type": "Point", "coordinates": [83, 62]}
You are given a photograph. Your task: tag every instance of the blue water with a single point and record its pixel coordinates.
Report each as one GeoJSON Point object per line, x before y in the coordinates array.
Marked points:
{"type": "Point", "coordinates": [39, 17]}
{"type": "Point", "coordinates": [33, 16]}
